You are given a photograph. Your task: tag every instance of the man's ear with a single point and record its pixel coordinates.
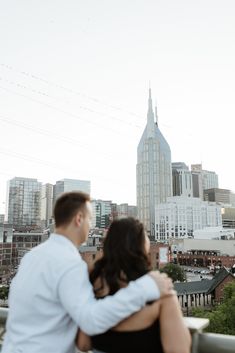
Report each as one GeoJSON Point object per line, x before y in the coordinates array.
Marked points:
{"type": "Point", "coordinates": [79, 218]}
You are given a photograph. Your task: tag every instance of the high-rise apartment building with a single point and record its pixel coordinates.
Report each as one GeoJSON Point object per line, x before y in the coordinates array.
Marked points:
{"type": "Point", "coordinates": [221, 196]}
{"type": "Point", "coordinates": [209, 180]}
{"type": "Point", "coordinates": [181, 180]}
{"type": "Point", "coordinates": [66, 185]}
{"type": "Point", "coordinates": [202, 180]}
{"type": "Point", "coordinates": [197, 185]}
{"type": "Point", "coordinates": [180, 216]}
{"type": "Point", "coordinates": [6, 235]}
{"type": "Point", "coordinates": [153, 170]}
{"type": "Point", "coordinates": [232, 198]}
{"type": "Point", "coordinates": [125, 210]}
{"type": "Point", "coordinates": [46, 204]}
{"type": "Point", "coordinates": [102, 213]}
{"type": "Point", "coordinates": [228, 217]}
{"type": "Point", "coordinates": [23, 202]}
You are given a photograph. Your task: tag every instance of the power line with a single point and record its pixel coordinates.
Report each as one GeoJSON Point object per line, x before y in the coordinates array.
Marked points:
{"type": "Point", "coordinates": [35, 77]}
{"type": "Point", "coordinates": [42, 93]}
{"type": "Point", "coordinates": [48, 133]}
{"type": "Point", "coordinates": [75, 116]}
{"type": "Point", "coordinates": [72, 91]}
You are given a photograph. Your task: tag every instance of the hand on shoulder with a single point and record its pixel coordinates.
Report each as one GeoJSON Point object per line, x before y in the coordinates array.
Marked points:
{"type": "Point", "coordinates": [163, 282]}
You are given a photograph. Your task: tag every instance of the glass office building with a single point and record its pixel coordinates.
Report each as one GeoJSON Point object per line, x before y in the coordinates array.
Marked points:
{"type": "Point", "coordinates": [23, 202]}
{"type": "Point", "coordinates": [66, 185]}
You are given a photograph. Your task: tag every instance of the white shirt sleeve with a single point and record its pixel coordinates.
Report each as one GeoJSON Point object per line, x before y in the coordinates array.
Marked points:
{"type": "Point", "coordinates": [96, 316]}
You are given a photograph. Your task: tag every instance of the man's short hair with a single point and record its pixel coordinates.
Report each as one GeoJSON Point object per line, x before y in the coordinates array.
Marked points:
{"type": "Point", "coordinates": [67, 205]}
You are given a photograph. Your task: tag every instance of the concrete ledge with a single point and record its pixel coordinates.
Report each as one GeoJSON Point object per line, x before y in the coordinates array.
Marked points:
{"type": "Point", "coordinates": [195, 324]}
{"type": "Point", "coordinates": [215, 343]}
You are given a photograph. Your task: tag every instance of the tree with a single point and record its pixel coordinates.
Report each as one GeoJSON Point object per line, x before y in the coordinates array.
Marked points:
{"type": "Point", "coordinates": [175, 272]}
{"type": "Point", "coordinates": [4, 291]}
{"type": "Point", "coordinates": [222, 318]}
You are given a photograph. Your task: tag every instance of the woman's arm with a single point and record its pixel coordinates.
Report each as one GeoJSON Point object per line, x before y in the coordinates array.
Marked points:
{"type": "Point", "coordinates": [83, 341]}
{"type": "Point", "coordinates": [175, 336]}
{"type": "Point", "coordinates": [140, 320]}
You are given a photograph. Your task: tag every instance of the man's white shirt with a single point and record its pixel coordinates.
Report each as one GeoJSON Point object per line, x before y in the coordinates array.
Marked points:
{"type": "Point", "coordinates": [51, 296]}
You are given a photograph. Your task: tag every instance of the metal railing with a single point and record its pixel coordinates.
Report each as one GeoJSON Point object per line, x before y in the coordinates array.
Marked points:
{"type": "Point", "coordinates": [201, 342]}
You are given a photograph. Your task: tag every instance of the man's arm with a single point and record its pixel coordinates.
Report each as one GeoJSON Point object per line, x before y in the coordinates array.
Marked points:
{"type": "Point", "coordinates": [97, 316]}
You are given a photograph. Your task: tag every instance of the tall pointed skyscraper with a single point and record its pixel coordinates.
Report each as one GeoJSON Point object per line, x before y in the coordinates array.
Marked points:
{"type": "Point", "coordinates": [153, 170]}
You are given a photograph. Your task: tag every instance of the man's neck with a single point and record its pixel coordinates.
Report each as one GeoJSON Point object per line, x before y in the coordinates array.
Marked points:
{"type": "Point", "coordinates": [66, 232]}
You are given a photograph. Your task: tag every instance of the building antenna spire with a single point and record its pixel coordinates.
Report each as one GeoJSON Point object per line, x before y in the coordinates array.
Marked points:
{"type": "Point", "coordinates": [150, 107]}
{"type": "Point", "coordinates": [156, 112]}
{"type": "Point", "coordinates": [150, 115]}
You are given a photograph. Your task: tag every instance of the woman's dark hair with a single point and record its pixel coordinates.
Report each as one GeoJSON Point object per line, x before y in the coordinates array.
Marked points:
{"type": "Point", "coordinates": [124, 256]}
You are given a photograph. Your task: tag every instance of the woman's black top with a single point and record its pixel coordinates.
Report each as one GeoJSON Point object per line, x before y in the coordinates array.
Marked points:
{"type": "Point", "coordinates": [142, 341]}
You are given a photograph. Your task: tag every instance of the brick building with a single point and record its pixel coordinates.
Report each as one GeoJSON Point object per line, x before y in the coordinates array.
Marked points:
{"type": "Point", "coordinates": [159, 254]}
{"type": "Point", "coordinates": [205, 259]}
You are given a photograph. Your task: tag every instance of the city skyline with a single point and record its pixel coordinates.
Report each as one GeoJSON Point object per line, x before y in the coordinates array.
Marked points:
{"type": "Point", "coordinates": [74, 81]}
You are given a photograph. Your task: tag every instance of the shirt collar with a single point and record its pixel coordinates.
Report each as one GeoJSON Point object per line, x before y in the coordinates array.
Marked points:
{"type": "Point", "coordinates": [60, 238]}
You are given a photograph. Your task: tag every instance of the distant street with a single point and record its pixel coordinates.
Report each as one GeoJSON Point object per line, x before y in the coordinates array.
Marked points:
{"type": "Point", "coordinates": [196, 273]}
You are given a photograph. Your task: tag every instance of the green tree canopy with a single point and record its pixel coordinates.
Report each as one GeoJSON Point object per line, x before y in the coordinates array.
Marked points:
{"type": "Point", "coordinates": [175, 272]}
{"type": "Point", "coordinates": [222, 318]}
{"type": "Point", "coordinates": [4, 291]}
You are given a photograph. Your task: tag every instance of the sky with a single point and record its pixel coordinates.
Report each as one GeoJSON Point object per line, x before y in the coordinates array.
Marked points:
{"type": "Point", "coordinates": [74, 78]}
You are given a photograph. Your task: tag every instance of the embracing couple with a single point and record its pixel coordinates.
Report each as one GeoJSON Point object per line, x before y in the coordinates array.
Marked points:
{"type": "Point", "coordinates": [121, 306]}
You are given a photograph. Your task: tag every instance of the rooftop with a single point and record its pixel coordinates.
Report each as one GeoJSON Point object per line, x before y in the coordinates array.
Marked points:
{"type": "Point", "coordinates": [206, 286]}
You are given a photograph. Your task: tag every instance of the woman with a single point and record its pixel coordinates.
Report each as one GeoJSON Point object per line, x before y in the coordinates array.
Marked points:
{"type": "Point", "coordinates": [159, 326]}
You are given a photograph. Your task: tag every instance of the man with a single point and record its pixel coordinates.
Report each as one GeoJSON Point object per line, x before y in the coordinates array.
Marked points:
{"type": "Point", "coordinates": [51, 296]}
